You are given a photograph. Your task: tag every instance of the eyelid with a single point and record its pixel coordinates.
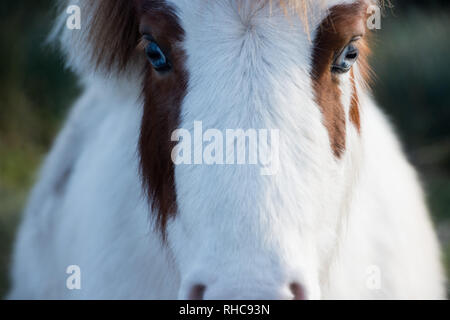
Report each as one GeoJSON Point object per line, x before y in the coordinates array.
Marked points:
{"type": "Point", "coordinates": [356, 38]}
{"type": "Point", "coordinates": [148, 37]}
{"type": "Point", "coordinates": [353, 40]}
{"type": "Point", "coordinates": [143, 43]}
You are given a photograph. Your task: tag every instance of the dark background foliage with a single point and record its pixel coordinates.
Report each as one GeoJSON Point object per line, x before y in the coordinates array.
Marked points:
{"type": "Point", "coordinates": [410, 60]}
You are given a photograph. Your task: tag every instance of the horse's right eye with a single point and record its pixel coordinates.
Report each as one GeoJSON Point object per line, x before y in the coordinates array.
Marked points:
{"type": "Point", "coordinates": [346, 59]}
{"type": "Point", "coordinates": [156, 57]}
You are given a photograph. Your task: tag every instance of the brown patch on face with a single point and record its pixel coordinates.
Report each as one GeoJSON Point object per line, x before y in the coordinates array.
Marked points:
{"type": "Point", "coordinates": [355, 117]}
{"type": "Point", "coordinates": [366, 76]}
{"type": "Point", "coordinates": [117, 33]}
{"type": "Point", "coordinates": [343, 23]}
{"type": "Point", "coordinates": [163, 95]}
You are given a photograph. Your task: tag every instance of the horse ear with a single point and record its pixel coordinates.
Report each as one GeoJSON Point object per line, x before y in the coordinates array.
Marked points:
{"type": "Point", "coordinates": [108, 38]}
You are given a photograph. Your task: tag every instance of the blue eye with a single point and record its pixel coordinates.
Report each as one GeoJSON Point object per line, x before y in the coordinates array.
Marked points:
{"type": "Point", "coordinates": [157, 57]}
{"type": "Point", "coordinates": [346, 59]}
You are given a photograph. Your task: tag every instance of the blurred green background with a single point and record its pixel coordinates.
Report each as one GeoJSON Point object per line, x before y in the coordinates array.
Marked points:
{"type": "Point", "coordinates": [411, 61]}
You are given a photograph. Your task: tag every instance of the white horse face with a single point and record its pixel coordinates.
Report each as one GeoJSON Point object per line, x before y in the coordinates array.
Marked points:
{"type": "Point", "coordinates": [236, 230]}
{"type": "Point", "coordinates": [239, 232]}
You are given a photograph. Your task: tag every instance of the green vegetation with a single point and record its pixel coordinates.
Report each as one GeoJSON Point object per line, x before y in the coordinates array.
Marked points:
{"type": "Point", "coordinates": [412, 84]}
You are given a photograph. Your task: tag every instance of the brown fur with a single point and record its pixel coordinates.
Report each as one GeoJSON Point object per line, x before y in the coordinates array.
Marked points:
{"type": "Point", "coordinates": [163, 97]}
{"type": "Point", "coordinates": [336, 31]}
{"type": "Point", "coordinates": [116, 34]}
{"type": "Point", "coordinates": [366, 74]}
{"type": "Point", "coordinates": [355, 117]}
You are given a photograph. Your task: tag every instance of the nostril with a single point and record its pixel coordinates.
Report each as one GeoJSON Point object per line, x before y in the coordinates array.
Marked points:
{"type": "Point", "coordinates": [297, 291]}
{"type": "Point", "coordinates": [197, 292]}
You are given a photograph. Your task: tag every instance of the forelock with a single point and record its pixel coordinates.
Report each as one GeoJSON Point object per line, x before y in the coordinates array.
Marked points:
{"type": "Point", "coordinates": [109, 32]}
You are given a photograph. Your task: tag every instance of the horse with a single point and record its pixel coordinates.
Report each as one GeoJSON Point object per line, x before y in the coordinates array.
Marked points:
{"type": "Point", "coordinates": [114, 215]}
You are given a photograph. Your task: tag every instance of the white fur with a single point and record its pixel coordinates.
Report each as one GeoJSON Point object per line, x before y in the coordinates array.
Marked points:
{"type": "Point", "coordinates": [320, 221]}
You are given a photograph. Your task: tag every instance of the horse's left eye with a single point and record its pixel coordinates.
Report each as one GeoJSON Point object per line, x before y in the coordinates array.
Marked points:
{"type": "Point", "coordinates": [345, 60]}
{"type": "Point", "coordinates": [156, 57]}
